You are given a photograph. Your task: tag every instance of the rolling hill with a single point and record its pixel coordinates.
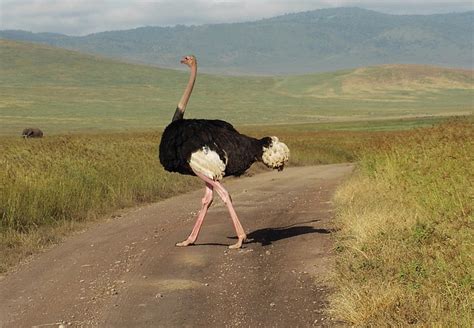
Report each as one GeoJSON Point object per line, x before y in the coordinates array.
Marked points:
{"type": "Point", "coordinates": [66, 91]}
{"type": "Point", "coordinates": [300, 43]}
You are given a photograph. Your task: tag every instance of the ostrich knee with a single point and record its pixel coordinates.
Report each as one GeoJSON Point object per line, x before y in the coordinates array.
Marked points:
{"type": "Point", "coordinates": [206, 201]}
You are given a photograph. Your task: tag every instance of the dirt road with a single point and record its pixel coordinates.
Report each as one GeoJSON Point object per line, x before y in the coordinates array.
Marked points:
{"type": "Point", "coordinates": [126, 272]}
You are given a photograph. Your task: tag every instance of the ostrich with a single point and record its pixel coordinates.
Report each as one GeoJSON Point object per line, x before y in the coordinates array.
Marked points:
{"type": "Point", "coordinates": [32, 133]}
{"type": "Point", "coordinates": [210, 150]}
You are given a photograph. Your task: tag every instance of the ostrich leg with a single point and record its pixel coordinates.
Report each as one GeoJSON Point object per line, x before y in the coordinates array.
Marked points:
{"type": "Point", "coordinates": [238, 226]}
{"type": "Point", "coordinates": [206, 202]}
{"type": "Point", "coordinates": [228, 201]}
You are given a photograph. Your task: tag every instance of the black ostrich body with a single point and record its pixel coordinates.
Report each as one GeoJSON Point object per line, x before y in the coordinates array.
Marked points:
{"type": "Point", "coordinates": [212, 149]}
{"type": "Point", "coordinates": [183, 137]}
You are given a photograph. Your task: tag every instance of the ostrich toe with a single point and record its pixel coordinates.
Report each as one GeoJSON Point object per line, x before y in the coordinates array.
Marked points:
{"type": "Point", "coordinates": [239, 243]}
{"type": "Point", "coordinates": [184, 243]}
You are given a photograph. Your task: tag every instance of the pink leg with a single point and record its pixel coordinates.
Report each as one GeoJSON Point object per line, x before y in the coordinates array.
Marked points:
{"type": "Point", "coordinates": [206, 202]}
{"type": "Point", "coordinates": [228, 201]}
{"type": "Point", "coordinates": [238, 226]}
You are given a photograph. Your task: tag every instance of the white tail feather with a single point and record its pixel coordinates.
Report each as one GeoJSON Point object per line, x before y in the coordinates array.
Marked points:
{"type": "Point", "coordinates": [276, 155]}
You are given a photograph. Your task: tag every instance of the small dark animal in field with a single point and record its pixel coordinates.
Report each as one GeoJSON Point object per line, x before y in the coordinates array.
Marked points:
{"type": "Point", "coordinates": [211, 150]}
{"type": "Point", "coordinates": [32, 133]}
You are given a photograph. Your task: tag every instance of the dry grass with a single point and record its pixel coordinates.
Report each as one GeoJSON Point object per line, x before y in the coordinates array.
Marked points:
{"type": "Point", "coordinates": [406, 232]}
{"type": "Point", "coordinates": [52, 186]}
{"type": "Point", "coordinates": [49, 186]}
{"type": "Point", "coordinates": [405, 240]}
{"type": "Point", "coordinates": [390, 78]}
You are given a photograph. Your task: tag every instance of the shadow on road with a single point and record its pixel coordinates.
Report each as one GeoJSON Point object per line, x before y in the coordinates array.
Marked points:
{"type": "Point", "coordinates": [267, 236]}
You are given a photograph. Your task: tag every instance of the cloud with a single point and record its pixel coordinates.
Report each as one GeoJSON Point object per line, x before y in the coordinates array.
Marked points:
{"type": "Point", "coordinates": [79, 17]}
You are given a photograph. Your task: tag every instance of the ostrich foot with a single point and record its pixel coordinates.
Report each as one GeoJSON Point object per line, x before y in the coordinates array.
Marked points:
{"type": "Point", "coordinates": [239, 243]}
{"type": "Point", "coordinates": [185, 243]}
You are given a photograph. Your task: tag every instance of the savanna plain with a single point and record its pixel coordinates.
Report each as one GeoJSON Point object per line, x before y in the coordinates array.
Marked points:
{"type": "Point", "coordinates": [404, 236]}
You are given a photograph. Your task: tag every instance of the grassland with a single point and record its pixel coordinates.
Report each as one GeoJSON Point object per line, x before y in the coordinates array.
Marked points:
{"type": "Point", "coordinates": [405, 242]}
{"type": "Point", "coordinates": [62, 92]}
{"type": "Point", "coordinates": [52, 186]}
{"type": "Point", "coordinates": [405, 219]}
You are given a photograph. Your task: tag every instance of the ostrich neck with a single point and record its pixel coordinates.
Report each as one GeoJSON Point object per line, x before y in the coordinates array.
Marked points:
{"type": "Point", "coordinates": [183, 102]}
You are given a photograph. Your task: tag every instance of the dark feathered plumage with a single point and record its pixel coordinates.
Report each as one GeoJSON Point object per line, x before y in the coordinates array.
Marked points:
{"type": "Point", "coordinates": [183, 137]}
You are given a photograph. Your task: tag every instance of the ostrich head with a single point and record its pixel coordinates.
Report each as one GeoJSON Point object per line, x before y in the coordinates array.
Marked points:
{"type": "Point", "coordinates": [189, 60]}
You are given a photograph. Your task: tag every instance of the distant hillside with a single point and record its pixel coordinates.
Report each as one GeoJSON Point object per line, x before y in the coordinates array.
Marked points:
{"type": "Point", "coordinates": [66, 91]}
{"type": "Point", "coordinates": [314, 41]}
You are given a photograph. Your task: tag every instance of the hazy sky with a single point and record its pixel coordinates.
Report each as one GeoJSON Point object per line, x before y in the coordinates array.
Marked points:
{"type": "Point", "coordinates": [79, 17]}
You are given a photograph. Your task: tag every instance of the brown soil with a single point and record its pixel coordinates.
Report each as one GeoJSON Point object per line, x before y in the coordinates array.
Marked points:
{"type": "Point", "coordinates": [126, 272]}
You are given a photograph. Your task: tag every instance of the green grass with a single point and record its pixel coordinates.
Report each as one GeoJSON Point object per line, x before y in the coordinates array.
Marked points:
{"type": "Point", "coordinates": [62, 92]}
{"type": "Point", "coordinates": [405, 242]}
